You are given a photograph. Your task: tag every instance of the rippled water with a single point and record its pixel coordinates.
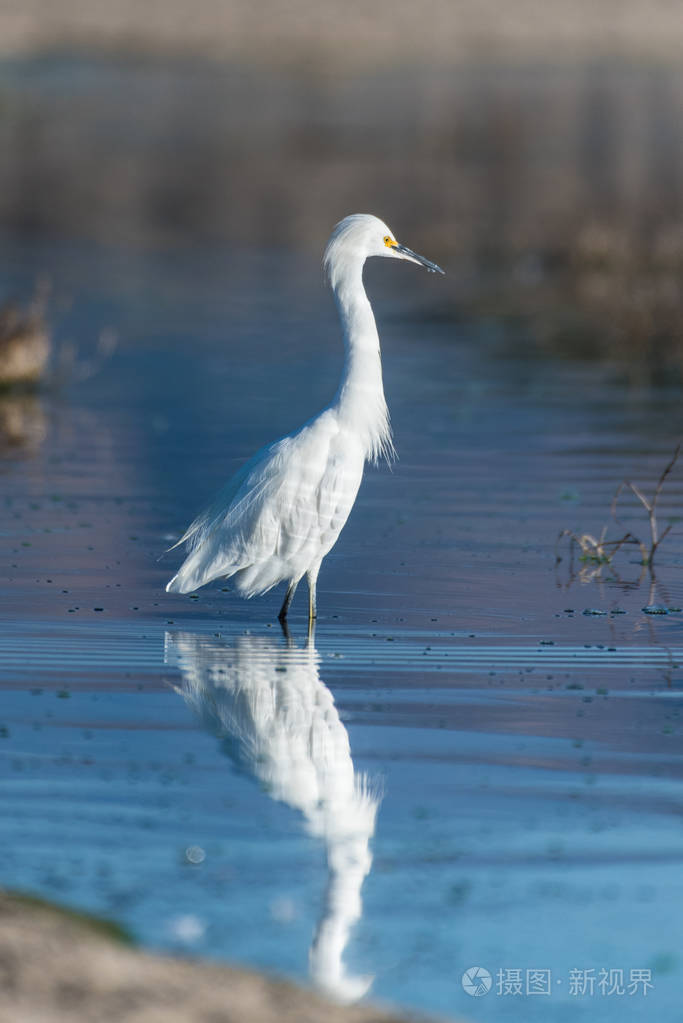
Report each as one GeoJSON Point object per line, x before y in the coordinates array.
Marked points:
{"type": "Point", "coordinates": [476, 761]}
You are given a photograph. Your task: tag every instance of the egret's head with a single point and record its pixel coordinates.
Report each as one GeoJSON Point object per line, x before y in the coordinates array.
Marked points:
{"type": "Point", "coordinates": [359, 236]}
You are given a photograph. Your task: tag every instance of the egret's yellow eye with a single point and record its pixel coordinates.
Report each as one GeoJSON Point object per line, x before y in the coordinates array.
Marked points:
{"type": "Point", "coordinates": [389, 242]}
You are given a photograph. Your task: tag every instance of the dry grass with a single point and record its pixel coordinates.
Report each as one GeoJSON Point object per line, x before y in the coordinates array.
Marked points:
{"type": "Point", "coordinates": [24, 341]}
{"type": "Point", "coordinates": [624, 291]}
{"type": "Point", "coordinates": [551, 192]}
{"type": "Point", "coordinates": [596, 552]}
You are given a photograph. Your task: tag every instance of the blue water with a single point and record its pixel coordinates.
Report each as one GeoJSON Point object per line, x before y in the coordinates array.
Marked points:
{"type": "Point", "coordinates": [462, 769]}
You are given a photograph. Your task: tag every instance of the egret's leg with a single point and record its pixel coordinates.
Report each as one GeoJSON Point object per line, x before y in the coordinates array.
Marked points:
{"type": "Point", "coordinates": [310, 638]}
{"type": "Point", "coordinates": [289, 596]}
{"type": "Point", "coordinates": [284, 625]}
{"type": "Point", "coordinates": [312, 577]}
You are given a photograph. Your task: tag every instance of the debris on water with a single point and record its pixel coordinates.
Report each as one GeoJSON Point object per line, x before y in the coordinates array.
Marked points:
{"type": "Point", "coordinates": [547, 642]}
{"type": "Point", "coordinates": [195, 854]}
{"type": "Point", "coordinates": [618, 611]}
{"type": "Point", "coordinates": [593, 611]}
{"type": "Point", "coordinates": [655, 609]}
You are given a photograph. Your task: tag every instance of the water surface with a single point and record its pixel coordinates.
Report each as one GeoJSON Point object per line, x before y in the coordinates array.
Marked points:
{"type": "Point", "coordinates": [475, 762]}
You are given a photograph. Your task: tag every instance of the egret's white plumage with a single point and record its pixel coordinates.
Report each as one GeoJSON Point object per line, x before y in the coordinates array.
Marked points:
{"type": "Point", "coordinates": [283, 511]}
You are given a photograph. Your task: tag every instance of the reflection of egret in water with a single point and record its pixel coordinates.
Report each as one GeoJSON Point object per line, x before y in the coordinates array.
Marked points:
{"type": "Point", "coordinates": [267, 699]}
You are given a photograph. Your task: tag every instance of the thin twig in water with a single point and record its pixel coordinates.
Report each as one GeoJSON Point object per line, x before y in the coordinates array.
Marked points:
{"type": "Point", "coordinates": [649, 506]}
{"type": "Point", "coordinates": [600, 550]}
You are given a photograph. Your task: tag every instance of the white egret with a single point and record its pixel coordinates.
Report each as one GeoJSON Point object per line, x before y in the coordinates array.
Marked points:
{"type": "Point", "coordinates": [282, 512]}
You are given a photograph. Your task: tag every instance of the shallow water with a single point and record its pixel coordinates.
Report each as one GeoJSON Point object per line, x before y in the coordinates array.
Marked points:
{"type": "Point", "coordinates": [477, 762]}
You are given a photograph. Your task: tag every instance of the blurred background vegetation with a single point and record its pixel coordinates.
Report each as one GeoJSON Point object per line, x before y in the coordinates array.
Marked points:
{"type": "Point", "coordinates": [532, 148]}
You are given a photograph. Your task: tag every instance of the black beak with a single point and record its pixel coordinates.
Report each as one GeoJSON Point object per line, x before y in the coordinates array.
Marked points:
{"type": "Point", "coordinates": [413, 257]}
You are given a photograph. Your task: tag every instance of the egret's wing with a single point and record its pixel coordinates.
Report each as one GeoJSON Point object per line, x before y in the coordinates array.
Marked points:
{"type": "Point", "coordinates": [223, 500]}
{"type": "Point", "coordinates": [266, 516]}
{"type": "Point", "coordinates": [214, 536]}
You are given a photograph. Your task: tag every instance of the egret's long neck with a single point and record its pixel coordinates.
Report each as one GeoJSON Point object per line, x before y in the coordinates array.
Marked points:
{"type": "Point", "coordinates": [360, 400]}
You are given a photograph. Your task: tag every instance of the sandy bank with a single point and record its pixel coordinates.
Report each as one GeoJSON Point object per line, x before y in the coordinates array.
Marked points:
{"type": "Point", "coordinates": [56, 967]}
